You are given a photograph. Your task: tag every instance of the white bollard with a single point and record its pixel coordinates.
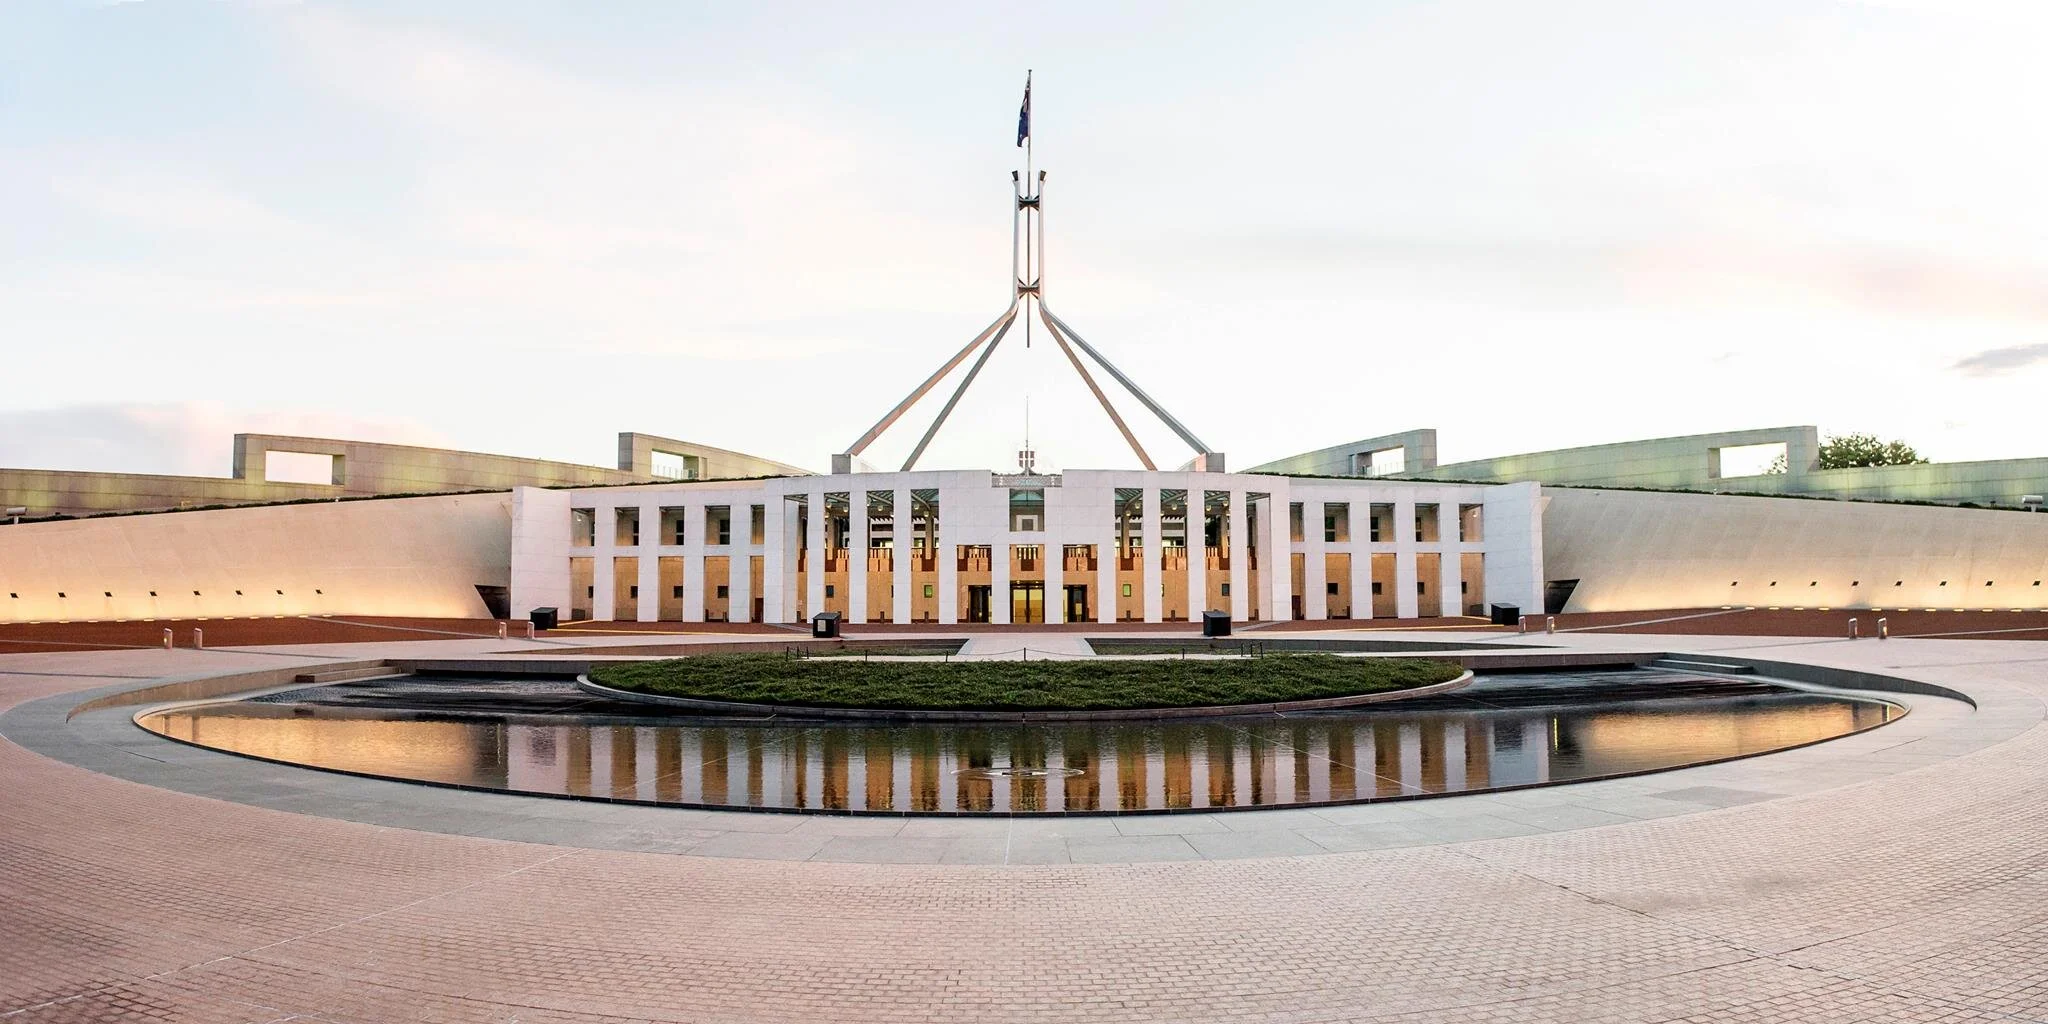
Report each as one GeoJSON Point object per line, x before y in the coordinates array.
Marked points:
{"type": "Point", "coordinates": [1852, 627]}
{"type": "Point", "coordinates": [501, 630]}
{"type": "Point", "coordinates": [1884, 630]}
{"type": "Point", "coordinates": [1550, 623]}
{"type": "Point", "coordinates": [529, 629]}
{"type": "Point", "coordinates": [1523, 627]}
{"type": "Point", "coordinates": [167, 638]}
{"type": "Point", "coordinates": [198, 639]}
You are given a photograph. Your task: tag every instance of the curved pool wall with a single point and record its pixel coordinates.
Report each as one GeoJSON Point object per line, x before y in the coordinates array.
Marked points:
{"type": "Point", "coordinates": [1504, 732]}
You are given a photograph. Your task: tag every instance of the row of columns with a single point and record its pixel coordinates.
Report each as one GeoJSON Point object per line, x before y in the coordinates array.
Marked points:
{"type": "Point", "coordinates": [1315, 598]}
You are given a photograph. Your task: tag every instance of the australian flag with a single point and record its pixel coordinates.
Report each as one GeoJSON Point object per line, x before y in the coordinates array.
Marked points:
{"type": "Point", "coordinates": [1024, 112]}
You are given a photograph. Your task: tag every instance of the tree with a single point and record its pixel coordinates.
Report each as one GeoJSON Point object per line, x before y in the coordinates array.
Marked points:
{"type": "Point", "coordinates": [1848, 451]}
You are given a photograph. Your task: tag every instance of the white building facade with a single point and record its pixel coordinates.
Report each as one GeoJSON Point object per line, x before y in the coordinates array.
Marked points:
{"type": "Point", "coordinates": [973, 546]}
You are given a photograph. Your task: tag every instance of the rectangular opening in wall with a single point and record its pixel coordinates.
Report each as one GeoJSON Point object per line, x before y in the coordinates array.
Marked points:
{"type": "Point", "coordinates": [301, 468]}
{"type": "Point", "coordinates": [1382, 522]}
{"type": "Point", "coordinates": [1384, 462]}
{"type": "Point", "coordinates": [1027, 510]}
{"type": "Point", "coordinates": [1336, 522]}
{"type": "Point", "coordinates": [717, 524]}
{"type": "Point", "coordinates": [673, 529]}
{"type": "Point", "coordinates": [1471, 523]}
{"type": "Point", "coordinates": [1472, 577]}
{"type": "Point", "coordinates": [1751, 459]}
{"type": "Point", "coordinates": [672, 466]}
{"type": "Point", "coordinates": [1426, 523]}
{"type": "Point", "coordinates": [582, 527]}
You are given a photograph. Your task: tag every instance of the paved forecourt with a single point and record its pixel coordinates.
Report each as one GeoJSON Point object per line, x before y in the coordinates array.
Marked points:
{"type": "Point", "coordinates": [1901, 874]}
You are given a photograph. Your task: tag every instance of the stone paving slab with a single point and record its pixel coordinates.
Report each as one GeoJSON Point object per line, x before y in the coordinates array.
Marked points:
{"type": "Point", "coordinates": [1861, 888]}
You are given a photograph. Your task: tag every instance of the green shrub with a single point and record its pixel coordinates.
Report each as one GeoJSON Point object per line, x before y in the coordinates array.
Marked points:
{"type": "Point", "coordinates": [1083, 685]}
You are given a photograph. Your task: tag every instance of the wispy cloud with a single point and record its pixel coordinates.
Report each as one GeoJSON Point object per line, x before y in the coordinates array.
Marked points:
{"type": "Point", "coordinates": [1992, 362]}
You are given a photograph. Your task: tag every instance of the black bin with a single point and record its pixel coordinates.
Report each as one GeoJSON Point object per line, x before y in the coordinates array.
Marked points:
{"type": "Point", "coordinates": [544, 618]}
{"type": "Point", "coordinates": [825, 626]}
{"type": "Point", "coordinates": [1506, 614]}
{"type": "Point", "coordinates": [1215, 624]}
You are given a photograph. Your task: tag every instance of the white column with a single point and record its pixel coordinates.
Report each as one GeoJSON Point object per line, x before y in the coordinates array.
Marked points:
{"type": "Point", "coordinates": [814, 554]}
{"type": "Point", "coordinates": [1405, 603]}
{"type": "Point", "coordinates": [775, 560]}
{"type": "Point", "coordinates": [948, 552]}
{"type": "Point", "coordinates": [604, 548]}
{"type": "Point", "coordinates": [1198, 553]}
{"type": "Point", "coordinates": [1361, 564]}
{"type": "Point", "coordinates": [1315, 584]}
{"type": "Point", "coordinates": [648, 605]}
{"type": "Point", "coordinates": [1240, 559]}
{"type": "Point", "coordinates": [902, 538]}
{"type": "Point", "coordinates": [1104, 594]}
{"type": "Point", "coordinates": [1451, 569]}
{"type": "Point", "coordinates": [1154, 549]}
{"type": "Point", "coordinates": [1278, 569]}
{"type": "Point", "coordinates": [1055, 555]}
{"type": "Point", "coordinates": [740, 575]}
{"type": "Point", "coordinates": [999, 579]}
{"type": "Point", "coordinates": [857, 556]}
{"type": "Point", "coordinates": [694, 543]}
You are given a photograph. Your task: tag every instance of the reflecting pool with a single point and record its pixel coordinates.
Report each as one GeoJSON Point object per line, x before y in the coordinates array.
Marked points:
{"type": "Point", "coordinates": [546, 737]}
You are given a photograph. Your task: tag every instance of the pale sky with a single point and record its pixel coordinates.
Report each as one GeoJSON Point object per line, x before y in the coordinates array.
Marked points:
{"type": "Point", "coordinates": [524, 227]}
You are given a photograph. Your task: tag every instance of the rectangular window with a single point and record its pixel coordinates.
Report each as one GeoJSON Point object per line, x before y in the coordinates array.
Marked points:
{"type": "Point", "coordinates": [1425, 522]}
{"type": "Point", "coordinates": [1127, 590]}
{"type": "Point", "coordinates": [831, 591]}
{"type": "Point", "coordinates": [1421, 587]}
{"type": "Point", "coordinates": [632, 591]}
{"type": "Point", "coordinates": [928, 590]}
{"type": "Point", "coordinates": [1376, 588]}
{"type": "Point", "coordinates": [1027, 510]}
{"type": "Point", "coordinates": [1471, 523]}
{"type": "Point", "coordinates": [589, 591]}
{"type": "Point", "coordinates": [1331, 588]}
{"type": "Point", "coordinates": [1336, 522]}
{"type": "Point", "coordinates": [1226, 590]}
{"type": "Point", "coordinates": [723, 590]}
{"type": "Point", "coordinates": [676, 591]}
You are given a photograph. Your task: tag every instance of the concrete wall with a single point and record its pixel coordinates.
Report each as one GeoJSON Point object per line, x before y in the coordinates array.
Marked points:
{"type": "Point", "coordinates": [360, 468]}
{"type": "Point", "coordinates": [1418, 448]}
{"type": "Point", "coordinates": [400, 556]}
{"type": "Point", "coordinates": [636, 457]}
{"type": "Point", "coordinates": [1691, 462]}
{"type": "Point", "coordinates": [1635, 550]}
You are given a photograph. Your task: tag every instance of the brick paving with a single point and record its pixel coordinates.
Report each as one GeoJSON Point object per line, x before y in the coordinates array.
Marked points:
{"type": "Point", "coordinates": [1919, 895]}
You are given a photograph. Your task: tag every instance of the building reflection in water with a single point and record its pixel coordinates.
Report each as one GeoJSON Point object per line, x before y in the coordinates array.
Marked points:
{"type": "Point", "coordinates": [1029, 769]}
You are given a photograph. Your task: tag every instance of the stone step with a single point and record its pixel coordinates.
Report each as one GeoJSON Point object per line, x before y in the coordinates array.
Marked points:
{"type": "Point", "coordinates": [338, 675]}
{"type": "Point", "coordinates": [1699, 665]}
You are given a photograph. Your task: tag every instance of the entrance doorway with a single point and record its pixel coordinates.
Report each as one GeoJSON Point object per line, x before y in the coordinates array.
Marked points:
{"type": "Point", "coordinates": [977, 603]}
{"type": "Point", "coordinates": [1077, 604]}
{"type": "Point", "coordinates": [1027, 601]}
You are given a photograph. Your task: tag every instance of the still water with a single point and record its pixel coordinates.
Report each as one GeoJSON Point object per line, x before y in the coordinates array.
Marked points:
{"type": "Point", "coordinates": [547, 738]}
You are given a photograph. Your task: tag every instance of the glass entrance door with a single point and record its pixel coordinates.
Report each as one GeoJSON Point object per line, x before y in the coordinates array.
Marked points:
{"type": "Point", "coordinates": [1077, 604]}
{"type": "Point", "coordinates": [1027, 601]}
{"type": "Point", "coordinates": [977, 603]}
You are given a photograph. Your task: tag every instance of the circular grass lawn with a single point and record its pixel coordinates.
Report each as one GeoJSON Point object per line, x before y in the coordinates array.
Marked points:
{"type": "Point", "coordinates": [1094, 684]}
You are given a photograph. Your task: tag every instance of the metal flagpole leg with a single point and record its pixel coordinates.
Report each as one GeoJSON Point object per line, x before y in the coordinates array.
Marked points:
{"type": "Point", "coordinates": [961, 390]}
{"type": "Point", "coordinates": [959, 357]}
{"type": "Point", "coordinates": [1165, 417]}
{"type": "Point", "coordinates": [1089, 379]}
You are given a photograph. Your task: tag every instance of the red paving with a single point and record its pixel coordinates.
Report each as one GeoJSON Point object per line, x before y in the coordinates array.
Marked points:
{"type": "Point", "coordinates": [19, 638]}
